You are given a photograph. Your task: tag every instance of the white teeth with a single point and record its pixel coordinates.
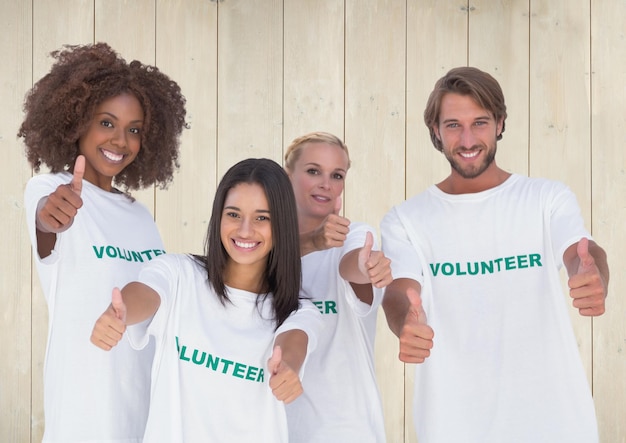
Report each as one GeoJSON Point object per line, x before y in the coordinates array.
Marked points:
{"type": "Point", "coordinates": [112, 156]}
{"type": "Point", "coordinates": [469, 154]}
{"type": "Point", "coordinates": [245, 245]}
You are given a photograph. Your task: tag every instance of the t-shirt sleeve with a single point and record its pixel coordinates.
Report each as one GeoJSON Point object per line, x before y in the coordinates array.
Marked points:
{"type": "Point", "coordinates": [566, 222]}
{"type": "Point", "coordinates": [399, 246]}
{"type": "Point", "coordinates": [38, 187]}
{"type": "Point", "coordinates": [308, 319]}
{"type": "Point", "coordinates": [356, 240]}
{"type": "Point", "coordinates": [161, 275]}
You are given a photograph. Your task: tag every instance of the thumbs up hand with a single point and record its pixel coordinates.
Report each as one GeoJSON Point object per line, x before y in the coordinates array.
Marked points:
{"type": "Point", "coordinates": [416, 337]}
{"type": "Point", "coordinates": [587, 286]}
{"type": "Point", "coordinates": [331, 233]}
{"type": "Point", "coordinates": [374, 264]}
{"type": "Point", "coordinates": [56, 212]}
{"type": "Point", "coordinates": [284, 381]}
{"type": "Point", "coordinates": [110, 327]}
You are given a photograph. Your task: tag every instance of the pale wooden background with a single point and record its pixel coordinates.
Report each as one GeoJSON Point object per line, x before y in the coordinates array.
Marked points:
{"type": "Point", "coordinates": [257, 73]}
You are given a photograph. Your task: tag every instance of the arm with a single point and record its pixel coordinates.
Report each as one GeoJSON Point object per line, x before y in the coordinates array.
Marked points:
{"type": "Point", "coordinates": [290, 348]}
{"type": "Point", "coordinates": [55, 213]}
{"type": "Point", "coordinates": [588, 272]}
{"type": "Point", "coordinates": [135, 303]}
{"type": "Point", "coordinates": [407, 320]}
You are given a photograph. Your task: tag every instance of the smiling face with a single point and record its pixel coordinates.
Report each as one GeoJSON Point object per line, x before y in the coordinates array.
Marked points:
{"type": "Point", "coordinates": [468, 134]}
{"type": "Point", "coordinates": [318, 178]}
{"type": "Point", "coordinates": [112, 140]}
{"type": "Point", "coordinates": [245, 227]}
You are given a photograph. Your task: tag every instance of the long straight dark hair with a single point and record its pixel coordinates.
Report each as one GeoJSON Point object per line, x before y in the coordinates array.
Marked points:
{"type": "Point", "coordinates": [283, 271]}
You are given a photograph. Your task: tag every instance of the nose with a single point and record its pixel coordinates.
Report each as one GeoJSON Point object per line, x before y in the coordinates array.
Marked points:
{"type": "Point", "coordinates": [118, 138]}
{"type": "Point", "coordinates": [324, 182]}
{"type": "Point", "coordinates": [245, 227]}
{"type": "Point", "coordinates": [468, 139]}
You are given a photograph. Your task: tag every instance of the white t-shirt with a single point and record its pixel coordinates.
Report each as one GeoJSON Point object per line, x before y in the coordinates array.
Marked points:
{"type": "Point", "coordinates": [341, 402]}
{"type": "Point", "coordinates": [209, 377]}
{"type": "Point", "coordinates": [89, 394]}
{"type": "Point", "coordinates": [505, 365]}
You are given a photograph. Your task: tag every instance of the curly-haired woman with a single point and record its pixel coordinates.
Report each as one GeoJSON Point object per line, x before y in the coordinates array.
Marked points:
{"type": "Point", "coordinates": [97, 123]}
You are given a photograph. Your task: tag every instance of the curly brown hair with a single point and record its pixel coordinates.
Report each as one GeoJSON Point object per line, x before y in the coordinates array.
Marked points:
{"type": "Point", "coordinates": [60, 107]}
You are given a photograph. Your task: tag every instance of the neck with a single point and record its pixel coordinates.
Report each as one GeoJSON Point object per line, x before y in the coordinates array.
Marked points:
{"type": "Point", "coordinates": [249, 278]}
{"type": "Point", "coordinates": [456, 184]}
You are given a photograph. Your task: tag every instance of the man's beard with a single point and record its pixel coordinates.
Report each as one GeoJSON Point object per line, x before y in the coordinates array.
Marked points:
{"type": "Point", "coordinates": [472, 172]}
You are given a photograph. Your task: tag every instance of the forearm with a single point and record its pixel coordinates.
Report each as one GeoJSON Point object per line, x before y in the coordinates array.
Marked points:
{"type": "Point", "coordinates": [307, 243]}
{"type": "Point", "coordinates": [396, 304]}
{"type": "Point", "coordinates": [293, 344]}
{"type": "Point", "coordinates": [141, 302]}
{"type": "Point", "coordinates": [349, 268]}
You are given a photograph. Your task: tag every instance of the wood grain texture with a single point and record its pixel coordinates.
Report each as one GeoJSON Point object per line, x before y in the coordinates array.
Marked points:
{"type": "Point", "coordinates": [258, 73]}
{"type": "Point", "coordinates": [16, 369]}
{"type": "Point", "coordinates": [608, 210]}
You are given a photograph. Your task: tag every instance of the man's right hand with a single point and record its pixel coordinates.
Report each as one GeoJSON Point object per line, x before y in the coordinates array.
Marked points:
{"type": "Point", "coordinates": [416, 337]}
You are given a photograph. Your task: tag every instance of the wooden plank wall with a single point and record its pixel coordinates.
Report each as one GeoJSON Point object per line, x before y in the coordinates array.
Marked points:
{"type": "Point", "coordinates": [257, 73]}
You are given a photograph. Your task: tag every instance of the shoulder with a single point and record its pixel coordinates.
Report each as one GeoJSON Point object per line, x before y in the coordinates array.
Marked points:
{"type": "Point", "coordinates": [544, 188]}
{"type": "Point", "coordinates": [41, 186]}
{"type": "Point", "coordinates": [48, 180]}
{"type": "Point", "coordinates": [408, 208]}
{"type": "Point", "coordinates": [535, 182]}
{"type": "Point", "coordinates": [174, 267]}
{"type": "Point", "coordinates": [178, 260]}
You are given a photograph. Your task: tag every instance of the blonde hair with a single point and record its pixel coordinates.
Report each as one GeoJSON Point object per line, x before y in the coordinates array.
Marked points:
{"type": "Point", "coordinates": [295, 148]}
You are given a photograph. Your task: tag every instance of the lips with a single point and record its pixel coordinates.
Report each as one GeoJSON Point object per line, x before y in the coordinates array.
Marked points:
{"type": "Point", "coordinates": [320, 198]}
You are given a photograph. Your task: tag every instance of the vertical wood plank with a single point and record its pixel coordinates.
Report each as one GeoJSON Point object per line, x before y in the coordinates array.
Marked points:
{"type": "Point", "coordinates": [313, 68]}
{"type": "Point", "coordinates": [16, 372]}
{"type": "Point", "coordinates": [64, 22]}
{"type": "Point", "coordinates": [250, 78]}
{"type": "Point", "coordinates": [608, 191]}
{"type": "Point", "coordinates": [186, 44]}
{"type": "Point", "coordinates": [375, 134]}
{"type": "Point", "coordinates": [560, 133]}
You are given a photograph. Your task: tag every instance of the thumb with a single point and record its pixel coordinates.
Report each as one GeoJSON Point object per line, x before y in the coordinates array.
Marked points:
{"type": "Point", "coordinates": [366, 250]}
{"type": "Point", "coordinates": [586, 259]}
{"type": "Point", "coordinates": [416, 307]}
{"type": "Point", "coordinates": [337, 208]}
{"type": "Point", "coordinates": [79, 171]}
{"type": "Point", "coordinates": [118, 305]}
{"type": "Point", "coordinates": [275, 359]}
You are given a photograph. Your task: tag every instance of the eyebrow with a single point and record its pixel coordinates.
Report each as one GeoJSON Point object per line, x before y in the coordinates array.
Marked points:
{"type": "Point", "coordinates": [235, 208]}
{"type": "Point", "coordinates": [452, 120]}
{"type": "Point", "coordinates": [318, 166]}
{"type": "Point", "coordinates": [113, 116]}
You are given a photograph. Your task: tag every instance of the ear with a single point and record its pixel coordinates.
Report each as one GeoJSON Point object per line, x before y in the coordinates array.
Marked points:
{"type": "Point", "coordinates": [499, 126]}
{"type": "Point", "coordinates": [436, 131]}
